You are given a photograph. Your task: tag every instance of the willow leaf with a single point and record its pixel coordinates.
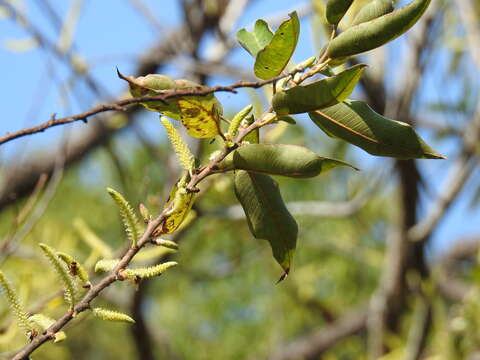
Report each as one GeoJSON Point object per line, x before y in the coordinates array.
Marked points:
{"type": "Point", "coordinates": [356, 123]}
{"type": "Point", "coordinates": [256, 40]}
{"type": "Point", "coordinates": [267, 216]}
{"type": "Point", "coordinates": [373, 10]}
{"type": "Point", "coordinates": [318, 95]}
{"type": "Point", "coordinates": [335, 10]}
{"type": "Point", "coordinates": [285, 160]}
{"type": "Point", "coordinates": [272, 59]}
{"type": "Point", "coordinates": [377, 32]}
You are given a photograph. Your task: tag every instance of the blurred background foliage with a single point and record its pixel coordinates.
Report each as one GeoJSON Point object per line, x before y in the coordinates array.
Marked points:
{"type": "Point", "coordinates": [221, 302]}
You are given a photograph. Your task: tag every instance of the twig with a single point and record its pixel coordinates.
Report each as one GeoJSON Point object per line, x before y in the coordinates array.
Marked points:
{"type": "Point", "coordinates": [121, 104]}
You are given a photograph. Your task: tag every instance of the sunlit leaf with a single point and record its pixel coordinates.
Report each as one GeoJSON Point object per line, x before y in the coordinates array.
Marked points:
{"type": "Point", "coordinates": [272, 59]}
{"type": "Point", "coordinates": [317, 95]}
{"type": "Point", "coordinates": [356, 123]}
{"type": "Point", "coordinates": [267, 216]}
{"type": "Point", "coordinates": [377, 32]}
{"type": "Point", "coordinates": [285, 160]}
{"type": "Point", "coordinates": [256, 40]}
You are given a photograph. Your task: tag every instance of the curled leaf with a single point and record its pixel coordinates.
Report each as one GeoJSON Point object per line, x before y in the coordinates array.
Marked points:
{"type": "Point", "coordinates": [377, 32]}
{"type": "Point", "coordinates": [286, 160]}
{"type": "Point", "coordinates": [317, 95]}
{"type": "Point", "coordinates": [267, 216]}
{"type": "Point", "coordinates": [356, 123]}
{"type": "Point", "coordinates": [273, 58]}
{"type": "Point", "coordinates": [256, 40]}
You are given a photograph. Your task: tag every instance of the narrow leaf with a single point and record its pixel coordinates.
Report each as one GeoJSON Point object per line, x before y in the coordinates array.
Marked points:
{"type": "Point", "coordinates": [256, 40]}
{"type": "Point", "coordinates": [62, 272]}
{"type": "Point", "coordinates": [286, 160]}
{"type": "Point", "coordinates": [356, 123]}
{"type": "Point", "coordinates": [318, 95]}
{"type": "Point", "coordinates": [267, 215]}
{"type": "Point", "coordinates": [184, 155]}
{"type": "Point", "coordinates": [271, 60]}
{"type": "Point", "coordinates": [335, 10]}
{"type": "Point", "coordinates": [377, 32]}
{"type": "Point", "coordinates": [110, 315]}
{"type": "Point", "coordinates": [129, 218]}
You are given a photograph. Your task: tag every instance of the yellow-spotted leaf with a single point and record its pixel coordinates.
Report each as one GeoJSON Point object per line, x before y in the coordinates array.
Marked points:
{"type": "Point", "coordinates": [199, 116]}
{"type": "Point", "coordinates": [179, 204]}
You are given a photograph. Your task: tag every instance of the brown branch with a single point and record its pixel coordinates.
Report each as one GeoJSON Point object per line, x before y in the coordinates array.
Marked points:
{"type": "Point", "coordinates": [314, 345]}
{"type": "Point", "coordinates": [163, 96]}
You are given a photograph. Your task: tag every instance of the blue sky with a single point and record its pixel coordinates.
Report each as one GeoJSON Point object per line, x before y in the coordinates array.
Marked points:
{"type": "Point", "coordinates": [112, 33]}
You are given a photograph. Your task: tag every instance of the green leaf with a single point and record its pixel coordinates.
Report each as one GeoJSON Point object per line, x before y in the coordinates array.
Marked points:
{"type": "Point", "coordinates": [377, 32]}
{"type": "Point", "coordinates": [256, 40]}
{"type": "Point", "coordinates": [373, 10]}
{"type": "Point", "coordinates": [272, 59]}
{"type": "Point", "coordinates": [317, 95]}
{"type": "Point", "coordinates": [335, 10]}
{"type": "Point", "coordinates": [285, 160]}
{"type": "Point", "coordinates": [267, 216]}
{"type": "Point", "coordinates": [356, 123]}
{"type": "Point", "coordinates": [254, 136]}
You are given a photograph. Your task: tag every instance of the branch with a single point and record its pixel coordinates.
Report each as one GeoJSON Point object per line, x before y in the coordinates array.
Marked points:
{"type": "Point", "coordinates": [314, 345]}
{"type": "Point", "coordinates": [163, 96]}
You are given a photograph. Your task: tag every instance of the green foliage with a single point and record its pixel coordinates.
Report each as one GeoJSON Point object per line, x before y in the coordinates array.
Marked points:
{"type": "Point", "coordinates": [377, 32]}
{"type": "Point", "coordinates": [373, 10]}
{"type": "Point", "coordinates": [129, 218]}
{"type": "Point", "coordinates": [185, 157]}
{"type": "Point", "coordinates": [357, 123]}
{"type": "Point", "coordinates": [274, 57]}
{"type": "Point", "coordinates": [319, 94]}
{"type": "Point", "coordinates": [286, 160]}
{"type": "Point", "coordinates": [256, 40]}
{"type": "Point", "coordinates": [178, 205]}
{"type": "Point", "coordinates": [267, 215]}
{"type": "Point", "coordinates": [62, 272]}
{"type": "Point", "coordinates": [335, 10]}
{"type": "Point", "coordinates": [110, 315]}
{"type": "Point", "coordinates": [14, 303]}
